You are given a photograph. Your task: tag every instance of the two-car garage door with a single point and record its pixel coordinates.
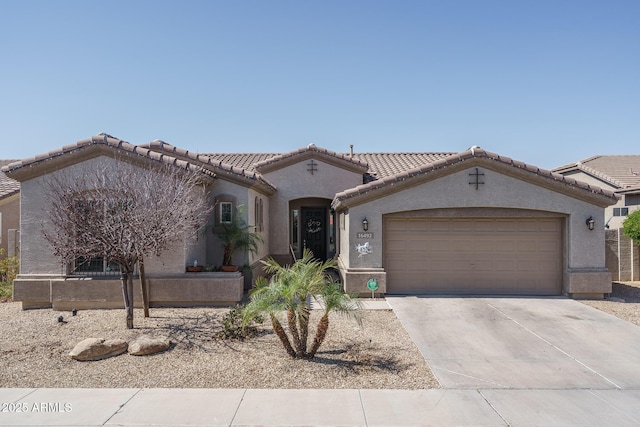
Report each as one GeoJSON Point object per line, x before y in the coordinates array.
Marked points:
{"type": "Point", "coordinates": [517, 256]}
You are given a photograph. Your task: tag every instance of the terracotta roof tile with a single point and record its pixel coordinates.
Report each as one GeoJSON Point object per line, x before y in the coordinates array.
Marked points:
{"type": "Point", "coordinates": [100, 139]}
{"type": "Point", "coordinates": [621, 171]}
{"type": "Point", "coordinates": [332, 156]}
{"type": "Point", "coordinates": [209, 162]}
{"type": "Point", "coordinates": [8, 186]}
{"type": "Point", "coordinates": [460, 157]}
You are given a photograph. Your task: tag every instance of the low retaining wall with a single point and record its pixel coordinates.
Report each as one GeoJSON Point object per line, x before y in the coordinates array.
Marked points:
{"type": "Point", "coordinates": [178, 290]}
{"type": "Point", "coordinates": [622, 256]}
{"type": "Point", "coordinates": [588, 283]}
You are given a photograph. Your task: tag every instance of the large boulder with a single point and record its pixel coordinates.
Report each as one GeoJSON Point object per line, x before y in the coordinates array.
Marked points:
{"type": "Point", "coordinates": [97, 349]}
{"type": "Point", "coordinates": [146, 344]}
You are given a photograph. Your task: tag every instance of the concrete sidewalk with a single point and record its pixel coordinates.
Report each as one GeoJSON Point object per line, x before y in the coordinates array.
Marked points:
{"type": "Point", "coordinates": [251, 407]}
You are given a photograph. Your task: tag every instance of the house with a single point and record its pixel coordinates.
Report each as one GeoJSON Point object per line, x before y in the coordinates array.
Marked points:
{"type": "Point", "coordinates": [471, 222]}
{"type": "Point", "coordinates": [620, 174]}
{"type": "Point", "coordinates": [9, 214]}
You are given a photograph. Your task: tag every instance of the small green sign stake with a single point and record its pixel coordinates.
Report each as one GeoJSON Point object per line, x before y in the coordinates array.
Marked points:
{"type": "Point", "coordinates": [372, 284]}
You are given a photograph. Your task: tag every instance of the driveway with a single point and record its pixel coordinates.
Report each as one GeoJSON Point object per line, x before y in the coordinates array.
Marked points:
{"type": "Point", "coordinates": [524, 343]}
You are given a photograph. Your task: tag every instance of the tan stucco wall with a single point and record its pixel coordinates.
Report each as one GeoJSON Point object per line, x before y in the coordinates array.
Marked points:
{"type": "Point", "coordinates": [264, 247]}
{"type": "Point", "coordinates": [37, 255]}
{"type": "Point", "coordinates": [215, 248]}
{"type": "Point", "coordinates": [179, 290]}
{"type": "Point", "coordinates": [584, 248]}
{"type": "Point", "coordinates": [295, 182]}
{"type": "Point", "coordinates": [613, 221]}
{"type": "Point", "coordinates": [10, 210]}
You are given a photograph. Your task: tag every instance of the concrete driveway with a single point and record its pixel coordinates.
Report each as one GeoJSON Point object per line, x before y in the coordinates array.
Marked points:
{"type": "Point", "coordinates": [523, 343]}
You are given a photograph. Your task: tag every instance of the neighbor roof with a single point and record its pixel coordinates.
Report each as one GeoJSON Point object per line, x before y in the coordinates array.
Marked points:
{"type": "Point", "coordinates": [8, 186]}
{"type": "Point", "coordinates": [621, 171]}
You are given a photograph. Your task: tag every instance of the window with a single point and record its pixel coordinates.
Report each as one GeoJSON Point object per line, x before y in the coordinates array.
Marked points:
{"type": "Point", "coordinates": [632, 200]}
{"type": "Point", "coordinates": [226, 212]}
{"type": "Point", "coordinates": [96, 266]}
{"type": "Point", "coordinates": [620, 211]}
{"type": "Point", "coordinates": [294, 229]}
{"type": "Point", "coordinates": [256, 214]}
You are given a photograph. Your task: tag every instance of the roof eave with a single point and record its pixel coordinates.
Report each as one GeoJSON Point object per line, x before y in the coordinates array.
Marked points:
{"type": "Point", "coordinates": [86, 149]}
{"type": "Point", "coordinates": [221, 170]}
{"type": "Point", "coordinates": [464, 160]}
{"type": "Point", "coordinates": [340, 160]}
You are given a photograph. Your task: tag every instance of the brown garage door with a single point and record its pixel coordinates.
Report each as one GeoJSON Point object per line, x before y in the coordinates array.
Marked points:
{"type": "Point", "coordinates": [517, 256]}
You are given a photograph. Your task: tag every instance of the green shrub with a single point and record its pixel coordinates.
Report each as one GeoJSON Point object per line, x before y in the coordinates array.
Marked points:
{"type": "Point", "coordinates": [233, 328]}
{"type": "Point", "coordinates": [5, 291]}
{"type": "Point", "coordinates": [8, 272]}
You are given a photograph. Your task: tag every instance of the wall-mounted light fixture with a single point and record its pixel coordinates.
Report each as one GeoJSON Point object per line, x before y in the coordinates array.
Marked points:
{"type": "Point", "coordinates": [365, 224]}
{"type": "Point", "coordinates": [591, 224]}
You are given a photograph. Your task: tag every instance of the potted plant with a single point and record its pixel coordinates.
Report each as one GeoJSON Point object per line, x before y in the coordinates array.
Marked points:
{"type": "Point", "coordinates": [237, 236]}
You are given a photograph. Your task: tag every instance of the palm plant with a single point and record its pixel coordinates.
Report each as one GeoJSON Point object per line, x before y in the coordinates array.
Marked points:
{"type": "Point", "coordinates": [289, 291]}
{"type": "Point", "coordinates": [237, 236]}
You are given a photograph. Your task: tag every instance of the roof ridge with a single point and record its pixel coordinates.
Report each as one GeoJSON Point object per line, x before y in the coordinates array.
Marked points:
{"type": "Point", "coordinates": [207, 159]}
{"type": "Point", "coordinates": [101, 139]}
{"type": "Point", "coordinates": [473, 152]}
{"type": "Point", "coordinates": [310, 148]}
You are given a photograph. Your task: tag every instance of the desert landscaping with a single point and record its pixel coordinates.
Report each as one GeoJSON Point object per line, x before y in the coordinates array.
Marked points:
{"type": "Point", "coordinates": [34, 349]}
{"type": "Point", "coordinates": [35, 346]}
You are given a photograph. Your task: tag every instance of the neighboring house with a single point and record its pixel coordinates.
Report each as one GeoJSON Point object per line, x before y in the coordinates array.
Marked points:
{"type": "Point", "coordinates": [401, 223]}
{"type": "Point", "coordinates": [620, 174]}
{"type": "Point", "coordinates": [9, 214]}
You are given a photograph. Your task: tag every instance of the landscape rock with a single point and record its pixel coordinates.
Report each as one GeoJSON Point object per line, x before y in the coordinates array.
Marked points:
{"type": "Point", "coordinates": [146, 344]}
{"type": "Point", "coordinates": [98, 349]}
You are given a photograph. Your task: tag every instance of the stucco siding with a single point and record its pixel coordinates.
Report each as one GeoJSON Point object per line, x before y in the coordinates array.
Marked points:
{"type": "Point", "coordinates": [295, 182]}
{"type": "Point", "coordinates": [240, 194]}
{"type": "Point", "coordinates": [36, 254]}
{"type": "Point", "coordinates": [585, 249]}
{"type": "Point", "coordinates": [263, 247]}
{"type": "Point", "coordinates": [607, 217]}
{"type": "Point", "coordinates": [37, 257]}
{"type": "Point", "coordinates": [10, 212]}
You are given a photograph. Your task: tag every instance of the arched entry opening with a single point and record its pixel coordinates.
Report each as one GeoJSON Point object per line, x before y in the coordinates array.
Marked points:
{"type": "Point", "coordinates": [312, 226]}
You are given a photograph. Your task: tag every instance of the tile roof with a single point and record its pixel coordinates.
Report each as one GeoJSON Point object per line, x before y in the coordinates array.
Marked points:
{"type": "Point", "coordinates": [621, 171]}
{"type": "Point", "coordinates": [345, 160]}
{"type": "Point", "coordinates": [234, 171]}
{"type": "Point", "coordinates": [380, 165]}
{"type": "Point", "coordinates": [20, 168]}
{"type": "Point", "coordinates": [8, 186]}
{"type": "Point", "coordinates": [402, 179]}
{"type": "Point", "coordinates": [245, 161]}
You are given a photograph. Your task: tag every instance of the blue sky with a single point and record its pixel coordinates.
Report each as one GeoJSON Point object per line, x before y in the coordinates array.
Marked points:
{"type": "Point", "coordinates": [545, 82]}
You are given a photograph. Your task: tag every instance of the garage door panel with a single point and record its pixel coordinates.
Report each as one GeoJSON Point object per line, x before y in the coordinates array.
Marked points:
{"type": "Point", "coordinates": [473, 256]}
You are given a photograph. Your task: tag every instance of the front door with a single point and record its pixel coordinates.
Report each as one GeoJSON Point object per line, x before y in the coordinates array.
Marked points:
{"type": "Point", "coordinates": [314, 231]}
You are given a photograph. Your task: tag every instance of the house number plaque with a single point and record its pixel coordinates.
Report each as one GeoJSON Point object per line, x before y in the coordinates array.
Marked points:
{"type": "Point", "coordinates": [364, 235]}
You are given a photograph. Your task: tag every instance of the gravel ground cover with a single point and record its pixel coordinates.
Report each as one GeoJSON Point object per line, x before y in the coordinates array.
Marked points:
{"type": "Point", "coordinates": [623, 303]}
{"type": "Point", "coordinates": [34, 349]}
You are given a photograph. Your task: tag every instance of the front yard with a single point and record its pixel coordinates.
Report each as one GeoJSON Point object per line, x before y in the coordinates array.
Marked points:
{"type": "Point", "coordinates": [34, 349]}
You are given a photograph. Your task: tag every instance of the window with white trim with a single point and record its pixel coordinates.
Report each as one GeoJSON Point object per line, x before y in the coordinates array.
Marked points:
{"type": "Point", "coordinates": [226, 212]}
{"type": "Point", "coordinates": [620, 211]}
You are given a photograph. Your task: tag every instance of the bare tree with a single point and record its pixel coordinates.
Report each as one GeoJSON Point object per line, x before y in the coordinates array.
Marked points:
{"type": "Point", "coordinates": [124, 212]}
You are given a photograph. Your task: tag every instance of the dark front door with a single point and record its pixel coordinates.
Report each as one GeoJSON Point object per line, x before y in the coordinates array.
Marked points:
{"type": "Point", "coordinates": [314, 231]}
